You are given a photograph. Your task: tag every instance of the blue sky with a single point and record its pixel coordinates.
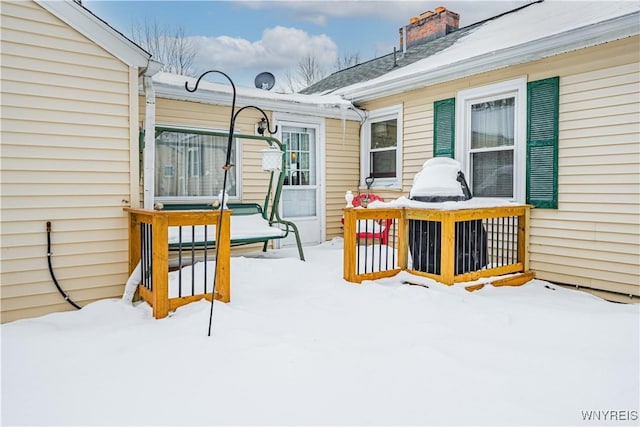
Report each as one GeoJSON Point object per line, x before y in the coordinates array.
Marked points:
{"type": "Point", "coordinates": [244, 38]}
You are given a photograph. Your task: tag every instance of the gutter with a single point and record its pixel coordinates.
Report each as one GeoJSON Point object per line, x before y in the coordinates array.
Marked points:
{"type": "Point", "coordinates": [591, 35]}
{"type": "Point", "coordinates": [338, 110]}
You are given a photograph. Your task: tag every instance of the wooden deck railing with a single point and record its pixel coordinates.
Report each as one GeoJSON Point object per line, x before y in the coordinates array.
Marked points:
{"type": "Point", "coordinates": [447, 246]}
{"type": "Point", "coordinates": [149, 246]}
{"type": "Point", "coordinates": [363, 258]}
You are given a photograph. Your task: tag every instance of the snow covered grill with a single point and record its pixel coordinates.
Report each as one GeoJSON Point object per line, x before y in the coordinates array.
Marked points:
{"type": "Point", "coordinates": [479, 244]}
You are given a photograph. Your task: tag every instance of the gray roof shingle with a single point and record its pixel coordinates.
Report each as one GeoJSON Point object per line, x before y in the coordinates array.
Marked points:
{"type": "Point", "coordinates": [383, 64]}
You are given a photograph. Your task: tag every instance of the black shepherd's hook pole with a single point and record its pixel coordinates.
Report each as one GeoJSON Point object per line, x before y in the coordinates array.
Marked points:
{"type": "Point", "coordinates": [226, 167]}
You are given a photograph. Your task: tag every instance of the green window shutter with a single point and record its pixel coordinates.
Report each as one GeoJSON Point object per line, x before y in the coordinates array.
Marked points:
{"type": "Point", "coordinates": [542, 142]}
{"type": "Point", "coordinates": [444, 125]}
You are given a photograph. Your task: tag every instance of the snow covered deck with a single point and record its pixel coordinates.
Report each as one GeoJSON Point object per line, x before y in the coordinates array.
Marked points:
{"type": "Point", "coordinates": [445, 244]}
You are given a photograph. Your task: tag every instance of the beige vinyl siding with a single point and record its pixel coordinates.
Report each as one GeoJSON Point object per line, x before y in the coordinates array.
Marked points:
{"type": "Point", "coordinates": [65, 159]}
{"type": "Point", "coordinates": [593, 239]}
{"type": "Point", "coordinates": [343, 170]}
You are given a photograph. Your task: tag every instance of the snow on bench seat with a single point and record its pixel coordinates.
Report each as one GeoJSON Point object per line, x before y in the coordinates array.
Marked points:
{"type": "Point", "coordinates": [243, 227]}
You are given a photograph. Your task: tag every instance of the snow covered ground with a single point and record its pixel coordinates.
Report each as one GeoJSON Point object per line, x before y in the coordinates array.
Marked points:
{"type": "Point", "coordinates": [298, 346]}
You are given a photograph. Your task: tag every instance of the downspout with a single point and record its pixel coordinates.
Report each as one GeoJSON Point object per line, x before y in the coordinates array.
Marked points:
{"type": "Point", "coordinates": [148, 156]}
{"type": "Point", "coordinates": [149, 141]}
{"type": "Point", "coordinates": [134, 144]}
{"type": "Point", "coordinates": [148, 160]}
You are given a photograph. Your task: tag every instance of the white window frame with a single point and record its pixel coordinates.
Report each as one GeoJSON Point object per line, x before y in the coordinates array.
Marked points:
{"type": "Point", "coordinates": [237, 168]}
{"type": "Point", "coordinates": [465, 99]}
{"type": "Point", "coordinates": [194, 162]}
{"type": "Point", "coordinates": [374, 116]}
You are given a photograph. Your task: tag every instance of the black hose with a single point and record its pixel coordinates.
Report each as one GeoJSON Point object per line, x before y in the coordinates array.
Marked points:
{"type": "Point", "coordinates": [53, 276]}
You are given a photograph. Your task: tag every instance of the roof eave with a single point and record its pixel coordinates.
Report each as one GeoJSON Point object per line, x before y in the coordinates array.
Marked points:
{"type": "Point", "coordinates": [213, 97]}
{"type": "Point", "coordinates": [613, 29]}
{"type": "Point", "coordinates": [98, 31]}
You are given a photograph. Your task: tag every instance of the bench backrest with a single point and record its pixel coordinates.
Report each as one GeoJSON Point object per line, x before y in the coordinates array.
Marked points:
{"type": "Point", "coordinates": [236, 208]}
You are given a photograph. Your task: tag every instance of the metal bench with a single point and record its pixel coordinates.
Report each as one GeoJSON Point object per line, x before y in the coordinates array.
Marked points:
{"type": "Point", "coordinates": [249, 225]}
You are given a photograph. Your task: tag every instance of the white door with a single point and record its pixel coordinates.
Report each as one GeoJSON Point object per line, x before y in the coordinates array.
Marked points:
{"type": "Point", "coordinates": [300, 201]}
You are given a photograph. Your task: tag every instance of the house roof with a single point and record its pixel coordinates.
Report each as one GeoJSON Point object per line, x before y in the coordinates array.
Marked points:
{"type": "Point", "coordinates": [531, 32]}
{"type": "Point", "coordinates": [384, 64]}
{"type": "Point", "coordinates": [99, 31]}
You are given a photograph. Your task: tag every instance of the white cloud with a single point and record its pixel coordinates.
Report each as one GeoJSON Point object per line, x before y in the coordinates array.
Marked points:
{"type": "Point", "coordinates": [279, 49]}
{"type": "Point", "coordinates": [320, 11]}
{"type": "Point", "coordinates": [399, 11]}
{"type": "Point", "coordinates": [319, 20]}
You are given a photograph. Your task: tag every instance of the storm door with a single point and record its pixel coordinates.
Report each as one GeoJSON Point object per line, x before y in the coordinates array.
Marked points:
{"type": "Point", "coordinates": [300, 194]}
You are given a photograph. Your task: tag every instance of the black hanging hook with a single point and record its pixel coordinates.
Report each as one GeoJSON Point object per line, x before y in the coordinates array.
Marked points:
{"type": "Point", "coordinates": [227, 165]}
{"type": "Point", "coordinates": [232, 117]}
{"type": "Point", "coordinates": [186, 84]}
{"type": "Point", "coordinates": [264, 117]}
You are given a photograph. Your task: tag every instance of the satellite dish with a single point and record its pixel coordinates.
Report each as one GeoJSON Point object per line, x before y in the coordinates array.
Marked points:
{"type": "Point", "coordinates": [265, 81]}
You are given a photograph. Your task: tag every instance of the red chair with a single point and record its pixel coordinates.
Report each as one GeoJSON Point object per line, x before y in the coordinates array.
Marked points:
{"type": "Point", "coordinates": [357, 199]}
{"type": "Point", "coordinates": [376, 229]}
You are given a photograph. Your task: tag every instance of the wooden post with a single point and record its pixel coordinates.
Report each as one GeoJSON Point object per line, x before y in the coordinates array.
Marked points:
{"type": "Point", "coordinates": [349, 250]}
{"type": "Point", "coordinates": [134, 241]}
{"type": "Point", "coordinates": [523, 238]}
{"type": "Point", "coordinates": [223, 263]}
{"type": "Point", "coordinates": [447, 248]}
{"type": "Point", "coordinates": [403, 240]}
{"type": "Point", "coordinates": [160, 230]}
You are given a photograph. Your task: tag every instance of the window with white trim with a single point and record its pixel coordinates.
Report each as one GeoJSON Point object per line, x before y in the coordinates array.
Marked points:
{"type": "Point", "coordinates": [381, 147]}
{"type": "Point", "coordinates": [491, 139]}
{"type": "Point", "coordinates": [188, 165]}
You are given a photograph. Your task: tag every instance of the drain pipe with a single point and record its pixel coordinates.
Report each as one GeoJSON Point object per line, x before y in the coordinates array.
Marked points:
{"type": "Point", "coordinates": [53, 276]}
{"type": "Point", "coordinates": [149, 141]}
{"type": "Point", "coordinates": [148, 160]}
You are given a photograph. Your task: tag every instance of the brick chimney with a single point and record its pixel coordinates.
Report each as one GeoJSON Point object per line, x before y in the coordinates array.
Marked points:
{"type": "Point", "coordinates": [428, 26]}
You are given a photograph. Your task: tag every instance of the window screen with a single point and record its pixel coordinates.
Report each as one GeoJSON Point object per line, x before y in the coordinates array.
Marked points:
{"type": "Point", "coordinates": [492, 148]}
{"type": "Point", "coordinates": [189, 164]}
{"type": "Point", "coordinates": [384, 142]}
